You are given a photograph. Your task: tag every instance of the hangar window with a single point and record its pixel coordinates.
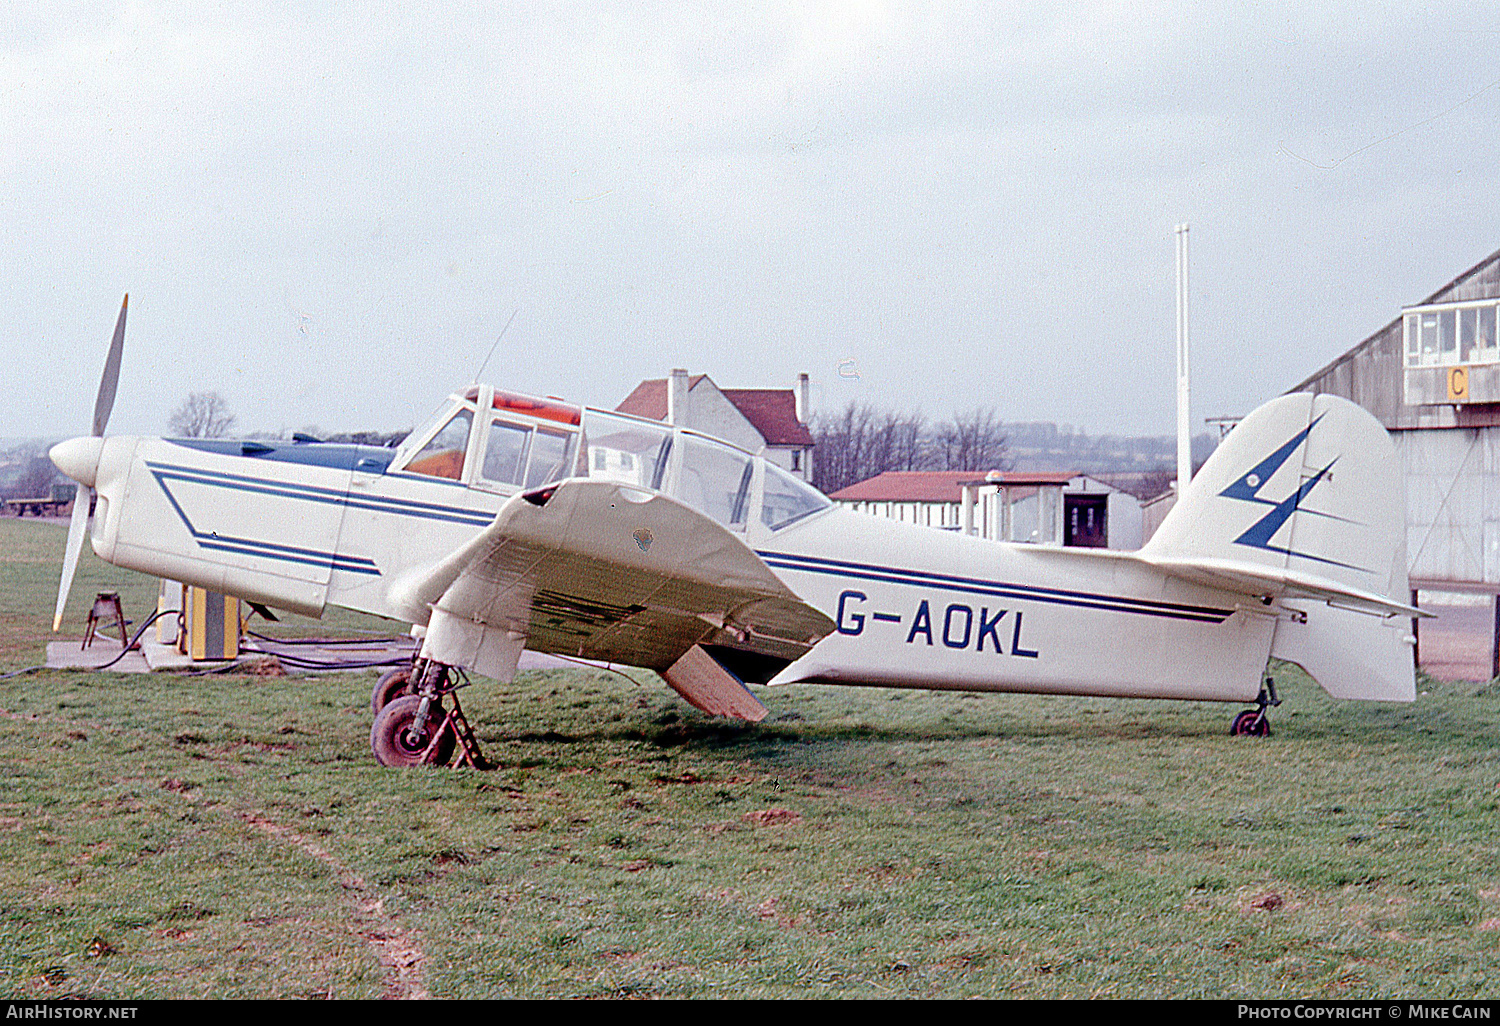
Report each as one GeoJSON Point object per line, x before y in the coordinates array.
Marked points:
{"type": "Point", "coordinates": [1451, 333]}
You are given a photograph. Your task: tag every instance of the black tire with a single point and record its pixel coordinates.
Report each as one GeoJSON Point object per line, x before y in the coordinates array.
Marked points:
{"type": "Point", "coordinates": [1250, 723]}
{"type": "Point", "coordinates": [393, 743]}
{"type": "Point", "coordinates": [391, 686]}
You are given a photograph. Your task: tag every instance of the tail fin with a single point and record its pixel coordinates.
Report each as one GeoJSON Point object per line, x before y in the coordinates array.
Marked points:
{"type": "Point", "coordinates": [1304, 502]}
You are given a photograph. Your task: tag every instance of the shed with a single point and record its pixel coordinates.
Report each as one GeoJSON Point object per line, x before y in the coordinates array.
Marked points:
{"type": "Point", "coordinates": [1049, 508]}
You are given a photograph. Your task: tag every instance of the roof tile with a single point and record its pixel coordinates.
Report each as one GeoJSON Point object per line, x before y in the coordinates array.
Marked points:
{"type": "Point", "coordinates": [771, 411]}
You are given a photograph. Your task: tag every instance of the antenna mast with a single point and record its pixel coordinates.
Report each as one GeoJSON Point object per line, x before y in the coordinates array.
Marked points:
{"type": "Point", "coordinates": [486, 363]}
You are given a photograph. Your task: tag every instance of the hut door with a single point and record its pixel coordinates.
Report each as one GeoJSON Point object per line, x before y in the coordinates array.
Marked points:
{"type": "Point", "coordinates": [1085, 521]}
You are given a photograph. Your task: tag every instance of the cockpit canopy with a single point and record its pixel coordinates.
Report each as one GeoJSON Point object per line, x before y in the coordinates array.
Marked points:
{"type": "Point", "coordinates": [503, 442]}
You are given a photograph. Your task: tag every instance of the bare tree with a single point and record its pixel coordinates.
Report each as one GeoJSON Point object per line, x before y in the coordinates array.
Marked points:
{"type": "Point", "coordinates": [34, 480]}
{"type": "Point", "coordinates": [1155, 482]}
{"type": "Point", "coordinates": [840, 444]}
{"type": "Point", "coordinates": [861, 442]}
{"type": "Point", "coordinates": [971, 441]}
{"type": "Point", "coordinates": [202, 415]}
{"type": "Point", "coordinates": [900, 442]}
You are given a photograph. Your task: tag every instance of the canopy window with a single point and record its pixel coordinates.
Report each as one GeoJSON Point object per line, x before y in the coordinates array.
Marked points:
{"type": "Point", "coordinates": [715, 479]}
{"type": "Point", "coordinates": [787, 500]}
{"type": "Point", "coordinates": [626, 450]}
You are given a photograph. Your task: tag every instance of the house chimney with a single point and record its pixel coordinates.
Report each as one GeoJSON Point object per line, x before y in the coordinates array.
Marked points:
{"type": "Point", "coordinates": [677, 397]}
{"type": "Point", "coordinates": [804, 399]}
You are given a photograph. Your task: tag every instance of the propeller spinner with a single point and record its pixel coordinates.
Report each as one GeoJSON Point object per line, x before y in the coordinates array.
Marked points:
{"type": "Point", "coordinates": [79, 459]}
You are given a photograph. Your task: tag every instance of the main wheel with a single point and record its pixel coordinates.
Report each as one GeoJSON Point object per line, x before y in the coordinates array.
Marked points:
{"type": "Point", "coordinates": [1250, 723]}
{"type": "Point", "coordinates": [394, 743]}
{"type": "Point", "coordinates": [391, 685]}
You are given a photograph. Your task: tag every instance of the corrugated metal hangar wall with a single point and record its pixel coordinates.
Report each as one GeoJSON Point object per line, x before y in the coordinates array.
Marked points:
{"type": "Point", "coordinates": [1432, 377]}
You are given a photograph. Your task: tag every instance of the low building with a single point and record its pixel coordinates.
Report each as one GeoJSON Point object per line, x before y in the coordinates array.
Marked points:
{"type": "Point", "coordinates": [771, 422]}
{"type": "Point", "coordinates": [1048, 509]}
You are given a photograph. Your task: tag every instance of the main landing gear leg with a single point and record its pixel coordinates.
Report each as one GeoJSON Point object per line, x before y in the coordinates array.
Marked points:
{"type": "Point", "coordinates": [414, 729]}
{"type": "Point", "coordinates": [1253, 722]}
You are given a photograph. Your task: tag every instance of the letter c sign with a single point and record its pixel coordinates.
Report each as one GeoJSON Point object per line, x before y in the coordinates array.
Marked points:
{"type": "Point", "coordinates": [1458, 384]}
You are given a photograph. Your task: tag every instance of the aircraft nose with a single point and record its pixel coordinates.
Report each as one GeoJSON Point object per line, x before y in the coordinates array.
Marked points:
{"type": "Point", "coordinates": [79, 458]}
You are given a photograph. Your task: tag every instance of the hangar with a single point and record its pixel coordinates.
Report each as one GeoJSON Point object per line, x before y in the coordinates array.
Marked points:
{"type": "Point", "coordinates": [1432, 377]}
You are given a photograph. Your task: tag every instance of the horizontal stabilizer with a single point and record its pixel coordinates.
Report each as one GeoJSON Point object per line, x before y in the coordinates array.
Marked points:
{"type": "Point", "coordinates": [1257, 580]}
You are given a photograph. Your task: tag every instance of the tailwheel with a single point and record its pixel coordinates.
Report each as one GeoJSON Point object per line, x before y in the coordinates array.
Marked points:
{"type": "Point", "coordinates": [1254, 722]}
{"type": "Point", "coordinates": [397, 740]}
{"type": "Point", "coordinates": [391, 686]}
{"type": "Point", "coordinates": [1250, 723]}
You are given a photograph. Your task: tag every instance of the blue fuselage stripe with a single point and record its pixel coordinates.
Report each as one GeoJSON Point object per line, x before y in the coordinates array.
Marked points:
{"type": "Point", "coordinates": [336, 561]}
{"type": "Point", "coordinates": [312, 493]}
{"type": "Point", "coordinates": [165, 472]}
{"type": "Point", "coordinates": [978, 586]}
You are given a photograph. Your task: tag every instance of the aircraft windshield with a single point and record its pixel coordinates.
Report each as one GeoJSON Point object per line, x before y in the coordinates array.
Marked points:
{"type": "Point", "coordinates": [443, 456]}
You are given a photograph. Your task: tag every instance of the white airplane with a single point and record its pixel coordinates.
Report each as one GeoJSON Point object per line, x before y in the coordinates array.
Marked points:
{"type": "Point", "coordinates": [507, 522]}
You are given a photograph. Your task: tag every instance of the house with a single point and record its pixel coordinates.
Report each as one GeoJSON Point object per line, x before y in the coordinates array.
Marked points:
{"type": "Point", "coordinates": [1045, 508]}
{"type": "Point", "coordinates": [771, 422]}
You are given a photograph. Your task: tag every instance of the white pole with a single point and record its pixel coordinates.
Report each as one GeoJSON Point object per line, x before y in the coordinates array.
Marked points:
{"type": "Point", "coordinates": [1184, 434]}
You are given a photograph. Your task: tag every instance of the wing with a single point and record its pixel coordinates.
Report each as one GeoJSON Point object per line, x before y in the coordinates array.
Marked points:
{"type": "Point", "coordinates": [605, 571]}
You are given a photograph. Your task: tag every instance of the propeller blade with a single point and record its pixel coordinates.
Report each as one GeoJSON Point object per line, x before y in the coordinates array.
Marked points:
{"type": "Point", "coordinates": [82, 500]}
{"type": "Point", "coordinates": [106, 399]}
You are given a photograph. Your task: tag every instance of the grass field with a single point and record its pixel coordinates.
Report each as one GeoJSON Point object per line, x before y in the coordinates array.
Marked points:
{"type": "Point", "coordinates": [232, 837]}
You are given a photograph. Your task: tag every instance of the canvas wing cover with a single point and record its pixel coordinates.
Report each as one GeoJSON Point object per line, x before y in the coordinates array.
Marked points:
{"type": "Point", "coordinates": [606, 571]}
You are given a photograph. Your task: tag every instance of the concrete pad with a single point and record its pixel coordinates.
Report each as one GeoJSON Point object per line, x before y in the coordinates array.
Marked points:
{"type": "Point", "coordinates": [1457, 643]}
{"type": "Point", "coordinates": [543, 661]}
{"type": "Point", "coordinates": [66, 655]}
{"type": "Point", "coordinates": [166, 657]}
{"type": "Point", "coordinates": [330, 651]}
{"type": "Point", "coordinates": [152, 656]}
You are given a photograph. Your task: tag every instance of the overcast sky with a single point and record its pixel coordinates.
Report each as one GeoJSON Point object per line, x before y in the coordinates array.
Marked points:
{"type": "Point", "coordinates": [329, 215]}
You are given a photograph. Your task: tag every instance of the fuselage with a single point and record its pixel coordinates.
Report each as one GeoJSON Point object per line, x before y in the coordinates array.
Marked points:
{"type": "Point", "coordinates": [918, 607]}
{"type": "Point", "coordinates": [301, 526]}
